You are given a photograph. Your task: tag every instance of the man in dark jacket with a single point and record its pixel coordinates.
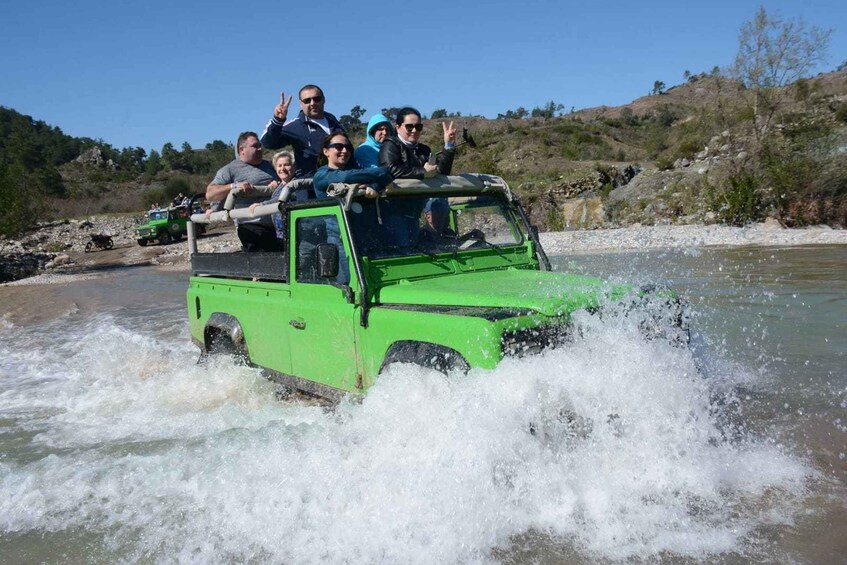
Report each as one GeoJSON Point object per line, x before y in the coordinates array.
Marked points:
{"type": "Point", "coordinates": [405, 158]}
{"type": "Point", "coordinates": [305, 133]}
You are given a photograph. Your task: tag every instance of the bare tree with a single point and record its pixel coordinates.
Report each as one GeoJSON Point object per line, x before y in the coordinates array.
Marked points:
{"type": "Point", "coordinates": [773, 53]}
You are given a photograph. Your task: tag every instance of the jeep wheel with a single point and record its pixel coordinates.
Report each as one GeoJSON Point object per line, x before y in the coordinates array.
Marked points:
{"type": "Point", "coordinates": [89, 246]}
{"type": "Point", "coordinates": [221, 344]}
{"type": "Point", "coordinates": [164, 238]}
{"type": "Point", "coordinates": [109, 243]}
{"type": "Point", "coordinates": [142, 242]}
{"type": "Point", "coordinates": [428, 355]}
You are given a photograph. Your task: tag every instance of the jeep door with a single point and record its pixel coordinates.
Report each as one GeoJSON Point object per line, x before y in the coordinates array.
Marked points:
{"type": "Point", "coordinates": [322, 325]}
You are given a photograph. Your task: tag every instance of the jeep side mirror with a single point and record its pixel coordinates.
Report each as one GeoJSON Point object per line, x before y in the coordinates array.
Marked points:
{"type": "Point", "coordinates": [327, 260]}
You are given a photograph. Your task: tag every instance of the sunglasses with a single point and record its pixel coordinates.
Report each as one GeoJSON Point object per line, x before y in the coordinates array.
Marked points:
{"type": "Point", "coordinates": [317, 99]}
{"type": "Point", "coordinates": [340, 147]}
{"type": "Point", "coordinates": [411, 127]}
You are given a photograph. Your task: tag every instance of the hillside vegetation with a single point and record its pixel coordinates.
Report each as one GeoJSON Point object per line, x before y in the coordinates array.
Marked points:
{"type": "Point", "coordinates": [728, 146]}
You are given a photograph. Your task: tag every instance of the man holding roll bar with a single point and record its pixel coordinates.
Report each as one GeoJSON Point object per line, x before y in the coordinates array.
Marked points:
{"type": "Point", "coordinates": [240, 176]}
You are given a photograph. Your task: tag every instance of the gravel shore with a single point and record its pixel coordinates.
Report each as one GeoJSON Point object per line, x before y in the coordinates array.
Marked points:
{"type": "Point", "coordinates": [54, 268]}
{"type": "Point", "coordinates": [667, 237]}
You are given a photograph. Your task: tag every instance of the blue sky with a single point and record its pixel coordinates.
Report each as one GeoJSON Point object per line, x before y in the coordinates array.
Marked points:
{"type": "Point", "coordinates": [145, 73]}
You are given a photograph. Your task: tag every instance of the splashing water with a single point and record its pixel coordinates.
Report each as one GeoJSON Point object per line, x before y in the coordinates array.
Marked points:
{"type": "Point", "coordinates": [115, 440]}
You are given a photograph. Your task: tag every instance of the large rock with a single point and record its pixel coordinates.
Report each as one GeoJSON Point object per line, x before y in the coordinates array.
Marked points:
{"type": "Point", "coordinates": [583, 212]}
{"type": "Point", "coordinates": [19, 265]}
{"type": "Point", "coordinates": [91, 157]}
{"type": "Point", "coordinates": [570, 194]}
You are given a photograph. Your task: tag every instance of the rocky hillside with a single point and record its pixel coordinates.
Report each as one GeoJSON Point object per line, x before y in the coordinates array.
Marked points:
{"type": "Point", "coordinates": [690, 143]}
{"type": "Point", "coordinates": [692, 154]}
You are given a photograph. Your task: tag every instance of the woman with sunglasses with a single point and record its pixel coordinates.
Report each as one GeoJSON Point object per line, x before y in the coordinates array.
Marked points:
{"type": "Point", "coordinates": [406, 158]}
{"type": "Point", "coordinates": [339, 166]}
{"type": "Point", "coordinates": [379, 128]}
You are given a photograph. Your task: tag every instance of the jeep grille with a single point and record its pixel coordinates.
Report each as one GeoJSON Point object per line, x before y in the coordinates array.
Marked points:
{"type": "Point", "coordinates": [531, 341]}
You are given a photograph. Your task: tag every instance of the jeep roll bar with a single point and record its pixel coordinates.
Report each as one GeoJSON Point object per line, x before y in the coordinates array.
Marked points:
{"type": "Point", "coordinates": [229, 212]}
{"type": "Point", "coordinates": [454, 185]}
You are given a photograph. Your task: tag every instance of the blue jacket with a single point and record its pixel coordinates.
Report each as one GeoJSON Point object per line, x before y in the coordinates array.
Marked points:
{"type": "Point", "coordinates": [367, 154]}
{"type": "Point", "coordinates": [304, 136]}
{"type": "Point", "coordinates": [376, 177]}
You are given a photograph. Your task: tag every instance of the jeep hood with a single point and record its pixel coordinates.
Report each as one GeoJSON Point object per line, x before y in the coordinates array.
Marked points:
{"type": "Point", "coordinates": [552, 294]}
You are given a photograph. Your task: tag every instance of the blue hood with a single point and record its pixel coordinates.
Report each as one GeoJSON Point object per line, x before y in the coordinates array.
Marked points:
{"type": "Point", "coordinates": [372, 123]}
{"type": "Point", "coordinates": [367, 154]}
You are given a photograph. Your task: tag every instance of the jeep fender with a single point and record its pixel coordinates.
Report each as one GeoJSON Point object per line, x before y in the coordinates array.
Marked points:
{"type": "Point", "coordinates": [425, 354]}
{"type": "Point", "coordinates": [223, 334]}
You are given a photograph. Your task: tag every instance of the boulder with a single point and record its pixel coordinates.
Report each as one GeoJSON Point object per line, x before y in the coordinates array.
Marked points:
{"type": "Point", "coordinates": [583, 212]}
{"type": "Point", "coordinates": [92, 157]}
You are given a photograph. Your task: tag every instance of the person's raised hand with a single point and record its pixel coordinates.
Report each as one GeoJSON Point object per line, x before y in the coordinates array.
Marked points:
{"type": "Point", "coordinates": [281, 109]}
{"type": "Point", "coordinates": [449, 133]}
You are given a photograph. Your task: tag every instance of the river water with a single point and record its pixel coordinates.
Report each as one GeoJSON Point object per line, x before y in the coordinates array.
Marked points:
{"type": "Point", "coordinates": [116, 446]}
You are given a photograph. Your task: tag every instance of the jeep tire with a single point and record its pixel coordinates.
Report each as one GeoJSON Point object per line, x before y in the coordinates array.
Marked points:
{"type": "Point", "coordinates": [425, 354]}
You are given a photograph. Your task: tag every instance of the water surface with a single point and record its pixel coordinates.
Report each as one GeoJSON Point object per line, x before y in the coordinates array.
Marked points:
{"type": "Point", "coordinates": [116, 446]}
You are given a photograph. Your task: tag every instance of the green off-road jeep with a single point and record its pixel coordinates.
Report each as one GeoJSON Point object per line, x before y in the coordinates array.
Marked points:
{"type": "Point", "coordinates": [164, 225]}
{"type": "Point", "coordinates": [364, 283]}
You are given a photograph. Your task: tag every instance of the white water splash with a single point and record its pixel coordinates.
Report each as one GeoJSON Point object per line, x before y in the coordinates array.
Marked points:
{"type": "Point", "coordinates": [168, 460]}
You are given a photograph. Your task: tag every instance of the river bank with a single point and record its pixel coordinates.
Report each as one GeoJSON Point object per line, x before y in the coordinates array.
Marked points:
{"type": "Point", "coordinates": [47, 267]}
{"type": "Point", "coordinates": [639, 237]}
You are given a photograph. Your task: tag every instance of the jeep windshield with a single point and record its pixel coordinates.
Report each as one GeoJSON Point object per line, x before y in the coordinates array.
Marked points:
{"type": "Point", "coordinates": [158, 215]}
{"type": "Point", "coordinates": [403, 226]}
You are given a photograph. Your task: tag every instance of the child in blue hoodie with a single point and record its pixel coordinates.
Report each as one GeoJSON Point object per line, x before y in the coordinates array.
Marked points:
{"type": "Point", "coordinates": [367, 154]}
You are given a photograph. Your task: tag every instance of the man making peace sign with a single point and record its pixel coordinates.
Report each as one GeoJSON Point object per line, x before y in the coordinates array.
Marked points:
{"type": "Point", "coordinates": [305, 133]}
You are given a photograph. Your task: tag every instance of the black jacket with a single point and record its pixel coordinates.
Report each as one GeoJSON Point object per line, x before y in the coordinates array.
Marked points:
{"type": "Point", "coordinates": [407, 161]}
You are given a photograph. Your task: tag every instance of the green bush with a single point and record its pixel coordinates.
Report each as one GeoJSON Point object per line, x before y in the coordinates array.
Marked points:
{"type": "Point", "coordinates": [555, 221]}
{"type": "Point", "coordinates": [688, 146]}
{"type": "Point", "coordinates": [742, 201]}
{"type": "Point", "coordinates": [19, 202]}
{"type": "Point", "coordinates": [155, 196]}
{"type": "Point", "coordinates": [664, 163]}
{"type": "Point", "coordinates": [176, 185]}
